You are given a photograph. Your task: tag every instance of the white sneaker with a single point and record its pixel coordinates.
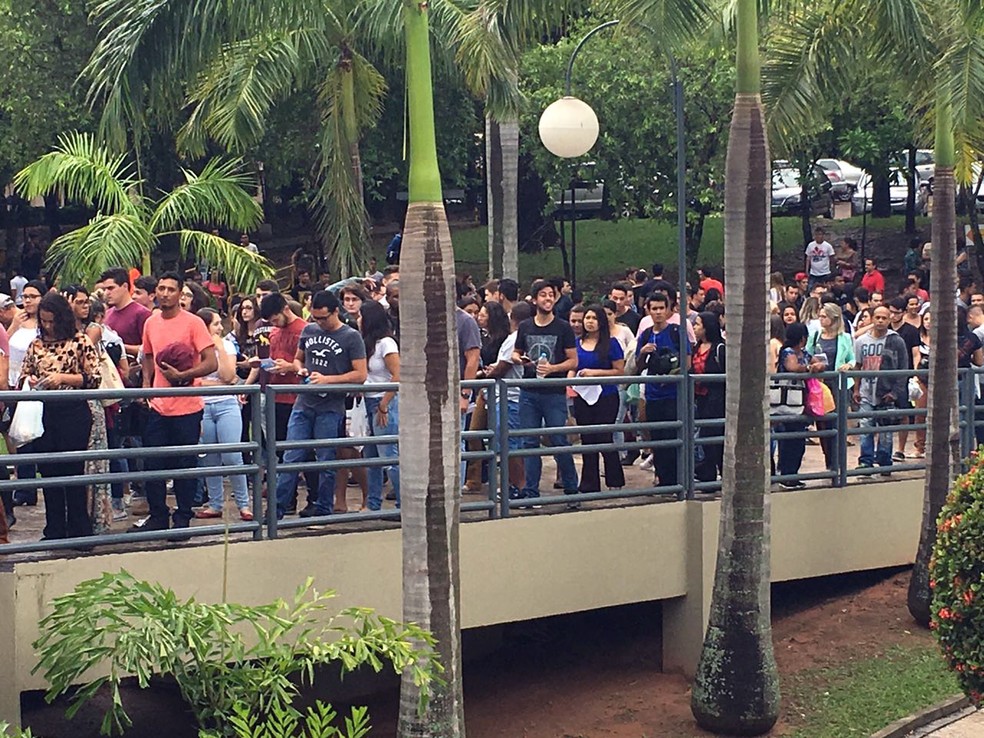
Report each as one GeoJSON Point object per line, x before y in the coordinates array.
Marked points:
{"type": "Point", "coordinates": [647, 465]}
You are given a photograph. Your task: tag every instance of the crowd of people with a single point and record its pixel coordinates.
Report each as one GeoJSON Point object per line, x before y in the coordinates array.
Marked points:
{"type": "Point", "coordinates": [166, 331]}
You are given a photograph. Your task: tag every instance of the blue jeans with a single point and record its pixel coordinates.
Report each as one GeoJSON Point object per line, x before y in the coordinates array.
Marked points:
{"type": "Point", "coordinates": [536, 410]}
{"type": "Point", "coordinates": [382, 450]}
{"type": "Point", "coordinates": [223, 423]}
{"type": "Point", "coordinates": [307, 425]}
{"type": "Point", "coordinates": [883, 456]}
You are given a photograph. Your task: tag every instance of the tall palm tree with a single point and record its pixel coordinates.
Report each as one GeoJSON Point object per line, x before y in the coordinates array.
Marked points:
{"type": "Point", "coordinates": [129, 227]}
{"type": "Point", "coordinates": [239, 62]}
{"type": "Point", "coordinates": [429, 396]}
{"type": "Point", "coordinates": [736, 687]}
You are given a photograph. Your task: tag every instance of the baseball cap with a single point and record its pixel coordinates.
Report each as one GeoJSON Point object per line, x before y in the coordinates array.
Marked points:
{"type": "Point", "coordinates": [800, 276]}
{"type": "Point", "coordinates": [6, 301]}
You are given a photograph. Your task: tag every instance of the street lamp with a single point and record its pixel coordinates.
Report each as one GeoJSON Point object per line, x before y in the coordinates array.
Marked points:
{"type": "Point", "coordinates": [568, 127]}
{"type": "Point", "coordinates": [576, 134]}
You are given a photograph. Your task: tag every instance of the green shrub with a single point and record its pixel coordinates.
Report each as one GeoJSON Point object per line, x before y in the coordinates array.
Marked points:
{"type": "Point", "coordinates": [957, 580]}
{"type": "Point", "coordinates": [227, 659]}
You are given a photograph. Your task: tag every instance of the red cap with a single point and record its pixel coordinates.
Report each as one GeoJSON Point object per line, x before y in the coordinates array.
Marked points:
{"type": "Point", "coordinates": [800, 276]}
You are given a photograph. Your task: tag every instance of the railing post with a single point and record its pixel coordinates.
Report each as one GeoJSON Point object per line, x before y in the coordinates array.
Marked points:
{"type": "Point", "coordinates": [256, 435]}
{"type": "Point", "coordinates": [967, 395]}
{"type": "Point", "coordinates": [501, 441]}
{"type": "Point", "coordinates": [270, 400]}
{"type": "Point", "coordinates": [495, 477]}
{"type": "Point", "coordinates": [843, 406]}
{"type": "Point", "coordinates": [685, 412]}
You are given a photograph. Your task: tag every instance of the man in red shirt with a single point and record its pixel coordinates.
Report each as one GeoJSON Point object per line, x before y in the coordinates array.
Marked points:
{"type": "Point", "coordinates": [173, 421]}
{"type": "Point", "coordinates": [873, 280]}
{"type": "Point", "coordinates": [124, 316]}
{"type": "Point", "coordinates": [284, 337]}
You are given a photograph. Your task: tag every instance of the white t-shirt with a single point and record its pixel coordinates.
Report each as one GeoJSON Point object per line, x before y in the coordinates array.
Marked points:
{"type": "Point", "coordinates": [819, 254]}
{"type": "Point", "coordinates": [230, 348]}
{"type": "Point", "coordinates": [20, 340]}
{"type": "Point", "coordinates": [16, 285]}
{"type": "Point", "coordinates": [377, 371]}
{"type": "Point", "coordinates": [516, 372]}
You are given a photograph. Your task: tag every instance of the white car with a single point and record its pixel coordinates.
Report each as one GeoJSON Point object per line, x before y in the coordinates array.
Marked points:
{"type": "Point", "coordinates": [843, 177]}
{"type": "Point", "coordinates": [898, 193]}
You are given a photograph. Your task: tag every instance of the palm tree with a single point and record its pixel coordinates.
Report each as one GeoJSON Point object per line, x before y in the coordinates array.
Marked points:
{"type": "Point", "coordinates": [240, 64]}
{"type": "Point", "coordinates": [429, 380]}
{"type": "Point", "coordinates": [736, 687]}
{"type": "Point", "coordinates": [129, 227]}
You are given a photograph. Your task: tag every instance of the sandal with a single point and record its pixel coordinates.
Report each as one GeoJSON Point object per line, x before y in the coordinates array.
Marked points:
{"type": "Point", "coordinates": [245, 514]}
{"type": "Point", "coordinates": [208, 512]}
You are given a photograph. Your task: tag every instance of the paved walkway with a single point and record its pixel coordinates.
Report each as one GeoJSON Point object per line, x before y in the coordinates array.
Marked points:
{"type": "Point", "coordinates": [970, 725]}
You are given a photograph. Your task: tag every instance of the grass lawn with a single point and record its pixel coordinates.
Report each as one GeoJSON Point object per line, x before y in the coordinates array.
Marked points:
{"type": "Point", "coordinates": [606, 248]}
{"type": "Point", "coordinates": [862, 697]}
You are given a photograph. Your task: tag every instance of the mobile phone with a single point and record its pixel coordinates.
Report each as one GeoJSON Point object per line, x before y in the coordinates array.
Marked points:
{"type": "Point", "coordinates": [268, 364]}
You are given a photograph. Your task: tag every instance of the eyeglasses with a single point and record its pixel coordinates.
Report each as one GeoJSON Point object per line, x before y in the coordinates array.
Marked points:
{"type": "Point", "coordinates": [31, 297]}
{"type": "Point", "coordinates": [322, 318]}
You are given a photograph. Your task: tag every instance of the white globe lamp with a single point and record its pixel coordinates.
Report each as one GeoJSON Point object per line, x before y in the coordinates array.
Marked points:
{"type": "Point", "coordinates": [568, 127]}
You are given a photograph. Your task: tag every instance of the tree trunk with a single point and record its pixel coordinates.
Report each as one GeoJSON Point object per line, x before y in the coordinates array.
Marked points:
{"type": "Point", "coordinates": [881, 196]}
{"type": "Point", "coordinates": [695, 234]}
{"type": "Point", "coordinates": [502, 187]}
{"type": "Point", "coordinates": [910, 195]}
{"type": "Point", "coordinates": [736, 688]}
{"type": "Point", "coordinates": [52, 216]}
{"type": "Point", "coordinates": [429, 392]}
{"type": "Point", "coordinates": [943, 438]}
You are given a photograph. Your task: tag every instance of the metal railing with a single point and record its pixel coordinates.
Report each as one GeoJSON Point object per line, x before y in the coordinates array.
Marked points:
{"type": "Point", "coordinates": [264, 448]}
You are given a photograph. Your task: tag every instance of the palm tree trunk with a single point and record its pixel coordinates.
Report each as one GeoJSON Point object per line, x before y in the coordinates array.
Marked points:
{"type": "Point", "coordinates": [943, 439]}
{"type": "Point", "coordinates": [429, 383]}
{"type": "Point", "coordinates": [736, 688]}
{"type": "Point", "coordinates": [502, 175]}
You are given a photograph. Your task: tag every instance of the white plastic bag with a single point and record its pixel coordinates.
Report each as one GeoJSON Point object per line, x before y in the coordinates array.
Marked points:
{"type": "Point", "coordinates": [915, 390]}
{"type": "Point", "coordinates": [27, 424]}
{"type": "Point", "coordinates": [357, 421]}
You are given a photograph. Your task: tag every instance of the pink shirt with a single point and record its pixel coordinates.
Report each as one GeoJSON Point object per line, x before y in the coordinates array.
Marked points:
{"type": "Point", "coordinates": [160, 332]}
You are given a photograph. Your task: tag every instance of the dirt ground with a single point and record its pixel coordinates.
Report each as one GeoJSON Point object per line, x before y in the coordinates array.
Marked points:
{"type": "Point", "coordinates": [595, 675]}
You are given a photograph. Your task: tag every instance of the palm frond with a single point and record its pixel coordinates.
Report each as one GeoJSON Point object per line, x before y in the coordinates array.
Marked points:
{"type": "Point", "coordinates": [808, 54]}
{"type": "Point", "coordinates": [902, 29]}
{"type": "Point", "coordinates": [674, 20]}
{"type": "Point", "coordinates": [220, 196]}
{"type": "Point", "coordinates": [960, 72]}
{"type": "Point", "coordinates": [241, 267]}
{"type": "Point", "coordinates": [488, 58]}
{"type": "Point", "coordinates": [85, 172]}
{"type": "Point", "coordinates": [233, 98]}
{"type": "Point", "coordinates": [80, 256]}
{"type": "Point", "coordinates": [370, 92]}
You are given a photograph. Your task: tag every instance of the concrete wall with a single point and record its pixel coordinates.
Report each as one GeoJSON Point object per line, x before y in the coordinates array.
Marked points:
{"type": "Point", "coordinates": [511, 570]}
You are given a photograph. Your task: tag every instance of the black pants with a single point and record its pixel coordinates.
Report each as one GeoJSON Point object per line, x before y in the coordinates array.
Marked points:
{"type": "Point", "coordinates": [66, 428]}
{"type": "Point", "coordinates": [709, 407]}
{"type": "Point", "coordinates": [311, 476]}
{"type": "Point", "coordinates": [171, 430]}
{"type": "Point", "coordinates": [602, 412]}
{"type": "Point", "coordinates": [664, 457]}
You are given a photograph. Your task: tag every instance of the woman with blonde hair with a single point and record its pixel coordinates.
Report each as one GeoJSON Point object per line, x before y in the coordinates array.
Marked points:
{"type": "Point", "coordinates": [810, 314]}
{"type": "Point", "coordinates": [835, 348]}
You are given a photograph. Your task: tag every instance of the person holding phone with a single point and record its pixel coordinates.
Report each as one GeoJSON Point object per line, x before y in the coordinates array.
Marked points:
{"type": "Point", "coordinates": [62, 357]}
{"type": "Point", "coordinates": [278, 368]}
{"type": "Point", "coordinates": [834, 348]}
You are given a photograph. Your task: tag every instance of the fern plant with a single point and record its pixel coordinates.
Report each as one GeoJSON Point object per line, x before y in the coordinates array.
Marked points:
{"type": "Point", "coordinates": [227, 659]}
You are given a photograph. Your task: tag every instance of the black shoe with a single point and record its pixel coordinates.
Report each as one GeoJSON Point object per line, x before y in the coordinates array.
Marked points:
{"type": "Point", "coordinates": [146, 524]}
{"type": "Point", "coordinates": [515, 493]}
{"type": "Point", "coordinates": [352, 482]}
{"type": "Point", "coordinates": [179, 525]}
{"type": "Point", "coordinates": [792, 485]}
{"type": "Point", "coordinates": [557, 485]}
{"type": "Point", "coordinates": [11, 521]}
{"type": "Point", "coordinates": [308, 512]}
{"type": "Point", "coordinates": [24, 498]}
{"type": "Point", "coordinates": [391, 495]}
{"type": "Point", "coordinates": [572, 505]}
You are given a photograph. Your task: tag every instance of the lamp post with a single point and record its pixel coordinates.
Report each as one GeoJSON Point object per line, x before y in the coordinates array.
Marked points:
{"type": "Point", "coordinates": [569, 128]}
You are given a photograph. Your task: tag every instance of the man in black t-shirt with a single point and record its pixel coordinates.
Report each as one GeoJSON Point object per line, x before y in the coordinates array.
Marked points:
{"type": "Point", "coordinates": [620, 294]}
{"type": "Point", "coordinates": [545, 345]}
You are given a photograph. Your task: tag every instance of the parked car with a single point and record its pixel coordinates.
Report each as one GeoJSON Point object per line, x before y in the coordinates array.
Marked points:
{"type": "Point", "coordinates": [898, 193]}
{"type": "Point", "coordinates": [925, 166]}
{"type": "Point", "coordinates": [843, 177]}
{"type": "Point", "coordinates": [787, 190]}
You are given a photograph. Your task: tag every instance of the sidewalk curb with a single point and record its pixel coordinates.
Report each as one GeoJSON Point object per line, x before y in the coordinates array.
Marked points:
{"type": "Point", "coordinates": [908, 724]}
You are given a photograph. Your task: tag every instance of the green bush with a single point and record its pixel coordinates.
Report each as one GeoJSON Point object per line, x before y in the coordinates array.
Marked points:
{"type": "Point", "coordinates": [957, 580]}
{"type": "Point", "coordinates": [229, 661]}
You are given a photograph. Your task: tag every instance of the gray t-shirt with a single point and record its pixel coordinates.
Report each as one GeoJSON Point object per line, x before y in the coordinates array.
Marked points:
{"type": "Point", "coordinates": [328, 352]}
{"type": "Point", "coordinates": [469, 336]}
{"type": "Point", "coordinates": [868, 351]}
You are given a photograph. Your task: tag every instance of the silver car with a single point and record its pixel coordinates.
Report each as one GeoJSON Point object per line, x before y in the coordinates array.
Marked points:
{"type": "Point", "coordinates": [898, 193]}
